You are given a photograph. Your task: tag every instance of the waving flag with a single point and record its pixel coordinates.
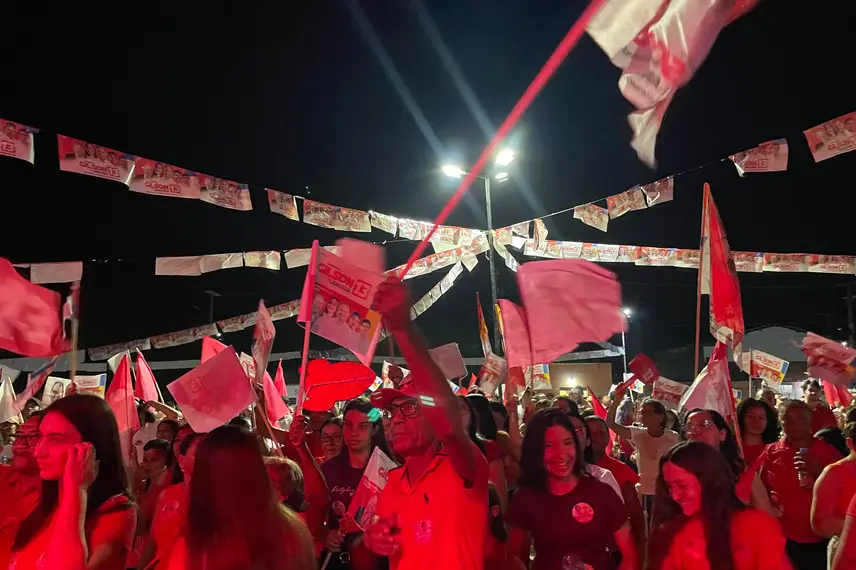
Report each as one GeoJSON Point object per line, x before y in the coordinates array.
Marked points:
{"type": "Point", "coordinates": [147, 387]}
{"type": "Point", "coordinates": [279, 380]}
{"type": "Point", "coordinates": [7, 403]}
{"type": "Point", "coordinates": [29, 316]}
{"type": "Point", "coordinates": [711, 390]}
{"type": "Point", "coordinates": [263, 335]}
{"type": "Point", "coordinates": [658, 44]}
{"type": "Point", "coordinates": [34, 383]}
{"type": "Point", "coordinates": [483, 334]}
{"type": "Point", "coordinates": [120, 398]}
{"type": "Point", "coordinates": [719, 278]}
{"type": "Point", "coordinates": [210, 348]}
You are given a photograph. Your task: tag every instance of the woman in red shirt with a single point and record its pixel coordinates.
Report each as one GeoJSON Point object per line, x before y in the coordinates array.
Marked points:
{"type": "Point", "coordinates": [759, 427]}
{"type": "Point", "coordinates": [571, 517]}
{"type": "Point", "coordinates": [700, 524]}
{"type": "Point", "coordinates": [86, 518]}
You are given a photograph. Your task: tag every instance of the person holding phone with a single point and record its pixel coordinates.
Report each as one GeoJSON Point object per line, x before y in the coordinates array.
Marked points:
{"type": "Point", "coordinates": [86, 518]}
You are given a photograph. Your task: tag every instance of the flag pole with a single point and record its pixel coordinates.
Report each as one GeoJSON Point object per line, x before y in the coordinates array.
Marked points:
{"type": "Point", "coordinates": [700, 272]}
{"type": "Point", "coordinates": [505, 393]}
{"type": "Point", "coordinates": [309, 297]}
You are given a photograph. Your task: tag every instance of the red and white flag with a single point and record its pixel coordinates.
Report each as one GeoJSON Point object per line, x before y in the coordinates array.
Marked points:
{"type": "Point", "coordinates": [263, 335]}
{"type": "Point", "coordinates": [658, 44]}
{"type": "Point", "coordinates": [210, 348]}
{"type": "Point", "coordinates": [711, 390]}
{"type": "Point", "coordinates": [7, 402]}
{"type": "Point", "coordinates": [34, 383]}
{"type": "Point", "coordinates": [719, 278]}
{"type": "Point", "coordinates": [483, 334]}
{"type": "Point", "coordinates": [29, 316]}
{"type": "Point", "coordinates": [146, 388]}
{"type": "Point", "coordinates": [120, 398]}
{"type": "Point", "coordinates": [275, 407]}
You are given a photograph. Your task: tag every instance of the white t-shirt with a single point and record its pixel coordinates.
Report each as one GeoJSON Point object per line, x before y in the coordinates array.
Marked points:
{"type": "Point", "coordinates": [649, 450]}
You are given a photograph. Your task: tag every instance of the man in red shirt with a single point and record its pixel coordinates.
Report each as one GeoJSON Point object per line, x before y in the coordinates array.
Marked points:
{"type": "Point", "coordinates": [821, 416]}
{"type": "Point", "coordinates": [20, 486]}
{"type": "Point", "coordinates": [624, 476]}
{"type": "Point", "coordinates": [779, 467]}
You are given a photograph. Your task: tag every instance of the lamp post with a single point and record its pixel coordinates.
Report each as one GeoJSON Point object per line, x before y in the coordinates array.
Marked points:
{"type": "Point", "coordinates": [627, 313]}
{"type": "Point", "coordinates": [503, 159]}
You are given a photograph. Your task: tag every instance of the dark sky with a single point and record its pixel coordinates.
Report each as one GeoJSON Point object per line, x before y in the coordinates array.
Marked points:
{"type": "Point", "coordinates": [290, 95]}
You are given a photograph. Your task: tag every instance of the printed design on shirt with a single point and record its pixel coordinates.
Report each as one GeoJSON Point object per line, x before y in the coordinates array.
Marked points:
{"type": "Point", "coordinates": [339, 508]}
{"type": "Point", "coordinates": [170, 509]}
{"type": "Point", "coordinates": [423, 531]}
{"type": "Point", "coordinates": [337, 490]}
{"type": "Point", "coordinates": [583, 513]}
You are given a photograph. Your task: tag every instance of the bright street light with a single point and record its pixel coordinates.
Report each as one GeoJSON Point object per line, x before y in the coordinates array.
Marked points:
{"type": "Point", "coordinates": [504, 157]}
{"type": "Point", "coordinates": [500, 176]}
{"type": "Point", "coordinates": [627, 312]}
{"type": "Point", "coordinates": [453, 171]}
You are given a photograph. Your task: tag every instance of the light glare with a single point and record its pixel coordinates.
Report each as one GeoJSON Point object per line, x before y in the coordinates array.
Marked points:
{"type": "Point", "coordinates": [500, 176]}
{"type": "Point", "coordinates": [504, 157]}
{"type": "Point", "coordinates": [453, 171]}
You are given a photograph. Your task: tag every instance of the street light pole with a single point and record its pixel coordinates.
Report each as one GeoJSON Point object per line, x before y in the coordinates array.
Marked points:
{"type": "Point", "coordinates": [624, 351]}
{"type": "Point", "coordinates": [496, 339]}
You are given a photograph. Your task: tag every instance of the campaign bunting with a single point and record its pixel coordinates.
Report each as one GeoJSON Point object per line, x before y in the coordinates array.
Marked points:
{"type": "Point", "coordinates": [620, 204]}
{"type": "Point", "coordinates": [411, 229]}
{"type": "Point", "coordinates": [832, 137]}
{"type": "Point", "coordinates": [104, 352]}
{"type": "Point", "coordinates": [383, 222]}
{"type": "Point", "coordinates": [771, 369]}
{"type": "Point", "coordinates": [160, 179]}
{"type": "Point", "coordinates": [668, 392]}
{"type": "Point", "coordinates": [364, 502]}
{"type": "Point", "coordinates": [282, 204]}
{"type": "Point", "coordinates": [16, 141]}
{"type": "Point", "coordinates": [214, 392]}
{"type": "Point", "coordinates": [659, 191]}
{"type": "Point", "coordinates": [770, 156]}
{"type": "Point", "coordinates": [183, 337]}
{"type": "Point", "coordinates": [263, 259]}
{"type": "Point", "coordinates": [593, 216]}
{"type": "Point", "coordinates": [83, 157]}
{"type": "Point", "coordinates": [341, 301]}
{"type": "Point", "coordinates": [224, 193]}
{"type": "Point", "coordinates": [66, 272]}
{"type": "Point", "coordinates": [335, 217]}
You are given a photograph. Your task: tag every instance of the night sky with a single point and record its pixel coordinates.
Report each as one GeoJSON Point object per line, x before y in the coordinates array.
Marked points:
{"type": "Point", "coordinates": [294, 97]}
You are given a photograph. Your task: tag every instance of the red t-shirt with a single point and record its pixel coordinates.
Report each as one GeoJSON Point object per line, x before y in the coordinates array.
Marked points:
{"type": "Point", "coordinates": [622, 473]}
{"type": "Point", "coordinates": [751, 452]}
{"type": "Point", "coordinates": [776, 467]}
{"type": "Point", "coordinates": [579, 525]}
{"type": "Point", "coordinates": [756, 542]}
{"type": "Point", "coordinates": [822, 417]}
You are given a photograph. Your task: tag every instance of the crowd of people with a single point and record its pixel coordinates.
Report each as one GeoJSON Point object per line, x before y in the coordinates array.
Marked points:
{"type": "Point", "coordinates": [533, 482]}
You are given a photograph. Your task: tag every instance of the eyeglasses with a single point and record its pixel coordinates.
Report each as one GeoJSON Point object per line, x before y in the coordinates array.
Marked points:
{"type": "Point", "coordinates": [331, 439]}
{"type": "Point", "coordinates": [30, 440]}
{"type": "Point", "coordinates": [699, 428]}
{"type": "Point", "coordinates": [407, 409]}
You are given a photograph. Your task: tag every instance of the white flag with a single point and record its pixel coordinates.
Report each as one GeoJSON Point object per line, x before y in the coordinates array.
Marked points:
{"type": "Point", "coordinates": [7, 403]}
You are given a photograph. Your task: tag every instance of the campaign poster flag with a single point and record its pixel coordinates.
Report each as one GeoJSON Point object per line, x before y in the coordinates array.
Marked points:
{"type": "Point", "coordinates": [16, 141]}
{"type": "Point", "coordinates": [283, 204]}
{"type": "Point", "coordinates": [771, 369]}
{"type": "Point", "coordinates": [214, 392]}
{"type": "Point", "coordinates": [449, 360]}
{"type": "Point", "coordinates": [832, 137]}
{"type": "Point", "coordinates": [669, 392]}
{"type": "Point", "coordinates": [364, 502]}
{"type": "Point", "coordinates": [91, 159]}
{"type": "Point", "coordinates": [770, 156]}
{"type": "Point", "coordinates": [335, 217]}
{"type": "Point", "coordinates": [95, 385]}
{"type": "Point", "coordinates": [224, 193]}
{"type": "Point", "coordinates": [340, 310]}
{"type": "Point", "coordinates": [538, 376]}
{"type": "Point", "coordinates": [55, 388]}
{"type": "Point", "coordinates": [161, 179]}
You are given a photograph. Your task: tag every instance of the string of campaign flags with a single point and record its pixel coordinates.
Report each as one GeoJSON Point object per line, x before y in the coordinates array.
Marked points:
{"type": "Point", "coordinates": [277, 312]}
{"type": "Point", "coordinates": [152, 177]}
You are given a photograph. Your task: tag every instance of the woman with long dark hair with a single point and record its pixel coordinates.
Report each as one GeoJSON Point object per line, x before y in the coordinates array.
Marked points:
{"type": "Point", "coordinates": [571, 517]}
{"type": "Point", "coordinates": [478, 423]}
{"type": "Point", "coordinates": [759, 427]}
{"type": "Point", "coordinates": [708, 426]}
{"type": "Point", "coordinates": [363, 433]}
{"type": "Point", "coordinates": [86, 518]}
{"type": "Point", "coordinates": [700, 524]}
{"type": "Point", "coordinates": [234, 519]}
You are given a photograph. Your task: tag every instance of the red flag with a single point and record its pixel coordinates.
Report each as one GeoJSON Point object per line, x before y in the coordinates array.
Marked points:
{"type": "Point", "coordinates": [328, 383]}
{"type": "Point", "coordinates": [836, 396]}
{"type": "Point", "coordinates": [29, 316]}
{"type": "Point", "coordinates": [263, 335]}
{"type": "Point", "coordinates": [711, 390]}
{"type": "Point", "coordinates": [565, 302]}
{"type": "Point", "coordinates": [483, 334]}
{"type": "Point", "coordinates": [643, 369]}
{"type": "Point", "coordinates": [719, 278]}
{"type": "Point", "coordinates": [120, 398]}
{"type": "Point", "coordinates": [35, 382]}
{"type": "Point", "coordinates": [211, 347]}
{"type": "Point", "coordinates": [146, 388]}
{"type": "Point", "coordinates": [276, 408]}
{"type": "Point", "coordinates": [279, 380]}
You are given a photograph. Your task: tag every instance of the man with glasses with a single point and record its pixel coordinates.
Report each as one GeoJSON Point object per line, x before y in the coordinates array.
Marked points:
{"type": "Point", "coordinates": [20, 484]}
{"type": "Point", "coordinates": [433, 511]}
